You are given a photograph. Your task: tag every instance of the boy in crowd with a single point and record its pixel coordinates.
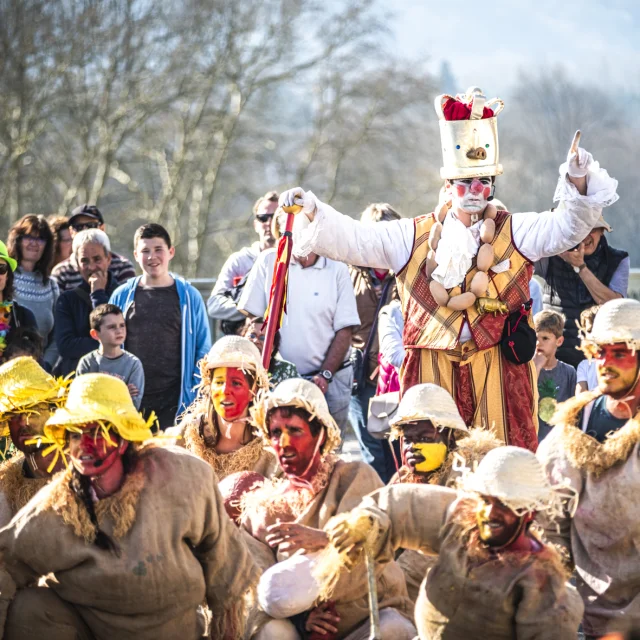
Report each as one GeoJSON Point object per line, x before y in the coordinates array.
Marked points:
{"type": "Point", "coordinates": [167, 326]}
{"type": "Point", "coordinates": [109, 329]}
{"type": "Point", "coordinates": [556, 379]}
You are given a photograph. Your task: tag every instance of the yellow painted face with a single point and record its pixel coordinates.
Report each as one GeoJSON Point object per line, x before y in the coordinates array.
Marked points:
{"type": "Point", "coordinates": [434, 454]}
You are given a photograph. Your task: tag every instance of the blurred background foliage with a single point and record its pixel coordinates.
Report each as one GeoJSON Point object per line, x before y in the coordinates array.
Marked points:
{"type": "Point", "coordinates": [183, 113]}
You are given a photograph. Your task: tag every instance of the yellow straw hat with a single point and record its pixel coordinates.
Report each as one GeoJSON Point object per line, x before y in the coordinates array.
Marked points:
{"type": "Point", "coordinates": [25, 384]}
{"type": "Point", "coordinates": [101, 398]}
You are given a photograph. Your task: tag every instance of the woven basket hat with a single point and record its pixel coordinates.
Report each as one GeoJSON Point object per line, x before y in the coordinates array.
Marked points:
{"type": "Point", "coordinates": [236, 352]}
{"type": "Point", "coordinates": [516, 477]}
{"type": "Point", "coordinates": [427, 401]}
{"type": "Point", "coordinates": [617, 321]}
{"type": "Point", "coordinates": [98, 397]}
{"type": "Point", "coordinates": [23, 385]}
{"type": "Point", "coordinates": [303, 394]}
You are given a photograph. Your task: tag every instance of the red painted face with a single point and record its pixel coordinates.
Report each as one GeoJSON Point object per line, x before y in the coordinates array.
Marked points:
{"type": "Point", "coordinates": [90, 452]}
{"type": "Point", "coordinates": [230, 393]}
{"type": "Point", "coordinates": [617, 369]}
{"type": "Point", "coordinates": [293, 443]}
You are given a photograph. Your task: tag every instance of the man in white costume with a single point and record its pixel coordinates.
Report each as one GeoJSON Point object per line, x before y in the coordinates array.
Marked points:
{"type": "Point", "coordinates": [463, 270]}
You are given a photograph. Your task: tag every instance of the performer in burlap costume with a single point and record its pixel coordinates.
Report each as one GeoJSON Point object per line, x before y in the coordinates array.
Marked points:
{"type": "Point", "coordinates": [28, 395]}
{"type": "Point", "coordinates": [287, 515]}
{"type": "Point", "coordinates": [493, 578]}
{"type": "Point", "coordinates": [462, 270]}
{"type": "Point", "coordinates": [603, 537]}
{"type": "Point", "coordinates": [436, 446]}
{"type": "Point", "coordinates": [216, 426]}
{"type": "Point", "coordinates": [131, 539]}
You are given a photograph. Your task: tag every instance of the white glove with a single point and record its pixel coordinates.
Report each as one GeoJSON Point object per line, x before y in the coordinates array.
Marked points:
{"type": "Point", "coordinates": [578, 163]}
{"type": "Point", "coordinates": [299, 196]}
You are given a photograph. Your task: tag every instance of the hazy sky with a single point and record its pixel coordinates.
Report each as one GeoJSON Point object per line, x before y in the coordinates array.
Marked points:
{"type": "Point", "coordinates": [488, 43]}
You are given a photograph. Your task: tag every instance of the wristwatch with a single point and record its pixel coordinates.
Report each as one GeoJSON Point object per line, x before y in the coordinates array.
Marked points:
{"type": "Point", "coordinates": [327, 375]}
{"type": "Point", "coordinates": [580, 268]}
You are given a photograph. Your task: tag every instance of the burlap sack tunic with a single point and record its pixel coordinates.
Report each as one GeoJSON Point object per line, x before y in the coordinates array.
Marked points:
{"type": "Point", "coordinates": [471, 593]}
{"type": "Point", "coordinates": [347, 484]}
{"type": "Point", "coordinates": [603, 538]}
{"type": "Point", "coordinates": [15, 488]}
{"type": "Point", "coordinates": [471, 449]}
{"type": "Point", "coordinates": [178, 550]}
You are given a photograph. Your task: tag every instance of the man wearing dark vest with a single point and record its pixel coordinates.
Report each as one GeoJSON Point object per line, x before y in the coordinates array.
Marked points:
{"type": "Point", "coordinates": [462, 270]}
{"type": "Point", "coordinates": [591, 274]}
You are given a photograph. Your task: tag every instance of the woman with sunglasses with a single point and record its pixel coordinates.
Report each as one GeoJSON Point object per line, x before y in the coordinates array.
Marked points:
{"type": "Point", "coordinates": [13, 316]}
{"type": "Point", "coordinates": [30, 244]}
{"type": "Point", "coordinates": [279, 368]}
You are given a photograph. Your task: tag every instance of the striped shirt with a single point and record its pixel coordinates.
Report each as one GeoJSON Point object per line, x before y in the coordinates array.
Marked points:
{"type": "Point", "coordinates": [68, 277]}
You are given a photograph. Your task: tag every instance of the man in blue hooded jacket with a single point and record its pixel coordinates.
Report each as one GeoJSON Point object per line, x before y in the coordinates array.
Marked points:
{"type": "Point", "coordinates": [167, 326]}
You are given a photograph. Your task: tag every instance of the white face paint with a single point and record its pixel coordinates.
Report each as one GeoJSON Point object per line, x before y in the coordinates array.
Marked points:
{"type": "Point", "coordinates": [470, 195]}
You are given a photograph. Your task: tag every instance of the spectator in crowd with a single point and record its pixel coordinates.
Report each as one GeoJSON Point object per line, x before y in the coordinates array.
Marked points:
{"type": "Point", "coordinates": [92, 253]}
{"type": "Point", "coordinates": [67, 273]}
{"type": "Point", "coordinates": [109, 329]}
{"type": "Point", "coordinates": [222, 303]}
{"type": "Point", "coordinates": [592, 273]}
{"type": "Point", "coordinates": [320, 318]}
{"type": "Point", "coordinates": [535, 290]}
{"type": "Point", "coordinates": [373, 289]}
{"type": "Point", "coordinates": [167, 326]}
{"type": "Point", "coordinates": [24, 342]}
{"type": "Point", "coordinates": [279, 369]}
{"type": "Point", "coordinates": [13, 315]}
{"type": "Point", "coordinates": [587, 373]}
{"type": "Point", "coordinates": [556, 380]}
{"type": "Point", "coordinates": [391, 355]}
{"type": "Point", "coordinates": [62, 239]}
{"type": "Point", "coordinates": [31, 245]}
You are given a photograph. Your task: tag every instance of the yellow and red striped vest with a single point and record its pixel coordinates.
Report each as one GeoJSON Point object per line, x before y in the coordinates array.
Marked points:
{"type": "Point", "coordinates": [429, 326]}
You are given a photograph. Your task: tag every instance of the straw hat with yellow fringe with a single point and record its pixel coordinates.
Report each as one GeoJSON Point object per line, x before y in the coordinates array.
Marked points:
{"type": "Point", "coordinates": [24, 384]}
{"type": "Point", "coordinates": [101, 398]}
{"type": "Point", "coordinates": [303, 394]}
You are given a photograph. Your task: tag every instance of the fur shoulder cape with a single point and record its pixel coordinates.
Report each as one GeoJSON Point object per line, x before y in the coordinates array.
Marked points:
{"type": "Point", "coordinates": [120, 507]}
{"type": "Point", "coordinates": [583, 451]}
{"type": "Point", "coordinates": [17, 488]}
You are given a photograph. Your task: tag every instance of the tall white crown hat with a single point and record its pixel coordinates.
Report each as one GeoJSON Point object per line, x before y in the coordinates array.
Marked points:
{"type": "Point", "coordinates": [470, 147]}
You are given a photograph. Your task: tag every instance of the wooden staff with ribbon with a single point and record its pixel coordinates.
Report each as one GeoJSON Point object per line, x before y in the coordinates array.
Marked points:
{"type": "Point", "coordinates": [278, 295]}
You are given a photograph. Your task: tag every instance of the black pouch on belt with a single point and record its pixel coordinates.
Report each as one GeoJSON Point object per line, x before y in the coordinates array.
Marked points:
{"type": "Point", "coordinates": [518, 342]}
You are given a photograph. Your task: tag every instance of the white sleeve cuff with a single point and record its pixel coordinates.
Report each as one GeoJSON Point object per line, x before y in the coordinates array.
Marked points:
{"type": "Point", "coordinates": [601, 188]}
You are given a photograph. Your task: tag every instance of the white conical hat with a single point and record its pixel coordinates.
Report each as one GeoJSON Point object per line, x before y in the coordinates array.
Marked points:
{"type": "Point", "coordinates": [238, 353]}
{"type": "Point", "coordinates": [617, 321]}
{"type": "Point", "coordinates": [297, 392]}
{"type": "Point", "coordinates": [428, 401]}
{"type": "Point", "coordinates": [516, 477]}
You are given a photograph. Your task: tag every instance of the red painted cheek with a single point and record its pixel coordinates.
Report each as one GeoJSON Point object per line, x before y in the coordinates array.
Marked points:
{"type": "Point", "coordinates": [486, 192]}
{"type": "Point", "coordinates": [461, 189]}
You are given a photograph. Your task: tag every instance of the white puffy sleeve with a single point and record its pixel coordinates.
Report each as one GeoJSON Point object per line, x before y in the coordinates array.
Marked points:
{"type": "Point", "coordinates": [381, 245]}
{"type": "Point", "coordinates": [541, 235]}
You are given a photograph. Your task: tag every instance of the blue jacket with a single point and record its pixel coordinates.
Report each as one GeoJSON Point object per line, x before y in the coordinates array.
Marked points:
{"type": "Point", "coordinates": [195, 334]}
